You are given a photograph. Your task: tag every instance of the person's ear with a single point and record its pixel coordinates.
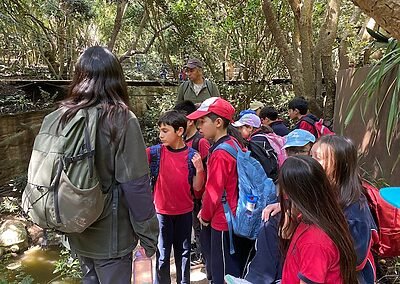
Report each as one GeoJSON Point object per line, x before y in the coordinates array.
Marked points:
{"type": "Point", "coordinates": [180, 131]}
{"type": "Point", "coordinates": [190, 122]}
{"type": "Point", "coordinates": [219, 123]}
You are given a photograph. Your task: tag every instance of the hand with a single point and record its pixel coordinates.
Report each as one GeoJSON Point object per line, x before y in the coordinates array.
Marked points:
{"type": "Point", "coordinates": [205, 224]}
{"type": "Point", "coordinates": [142, 251]}
{"type": "Point", "coordinates": [270, 210]}
{"type": "Point", "coordinates": [198, 162]}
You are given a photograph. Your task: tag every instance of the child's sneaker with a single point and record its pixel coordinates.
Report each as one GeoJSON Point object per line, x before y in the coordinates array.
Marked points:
{"type": "Point", "coordinates": [196, 259]}
{"type": "Point", "coordinates": [229, 279]}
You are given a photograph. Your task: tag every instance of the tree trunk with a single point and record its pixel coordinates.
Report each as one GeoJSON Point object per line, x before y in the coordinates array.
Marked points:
{"type": "Point", "coordinates": [307, 48]}
{"type": "Point", "coordinates": [121, 8]}
{"type": "Point", "coordinates": [385, 12]}
{"type": "Point", "coordinates": [327, 39]}
{"type": "Point", "coordinates": [285, 50]}
{"type": "Point", "coordinates": [344, 62]}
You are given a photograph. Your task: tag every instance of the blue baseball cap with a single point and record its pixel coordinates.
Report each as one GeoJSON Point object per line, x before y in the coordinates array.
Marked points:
{"type": "Point", "coordinates": [246, 111]}
{"type": "Point", "coordinates": [298, 138]}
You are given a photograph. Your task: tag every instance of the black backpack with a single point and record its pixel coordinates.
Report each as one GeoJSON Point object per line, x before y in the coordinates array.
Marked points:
{"type": "Point", "coordinates": [263, 152]}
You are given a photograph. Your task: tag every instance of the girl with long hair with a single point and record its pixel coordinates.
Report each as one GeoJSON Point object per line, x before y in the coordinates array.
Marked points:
{"type": "Point", "coordinates": [338, 157]}
{"type": "Point", "coordinates": [105, 248]}
{"type": "Point", "coordinates": [314, 234]}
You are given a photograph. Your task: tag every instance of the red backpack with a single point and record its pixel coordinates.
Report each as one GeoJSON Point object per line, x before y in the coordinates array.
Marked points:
{"type": "Point", "coordinates": [320, 126]}
{"type": "Point", "coordinates": [387, 218]}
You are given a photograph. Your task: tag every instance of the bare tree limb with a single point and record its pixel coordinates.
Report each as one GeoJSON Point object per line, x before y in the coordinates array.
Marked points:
{"type": "Point", "coordinates": [285, 50]}
{"type": "Point", "coordinates": [132, 51]}
{"type": "Point", "coordinates": [307, 48]}
{"type": "Point", "coordinates": [327, 38]}
{"type": "Point", "coordinates": [121, 8]}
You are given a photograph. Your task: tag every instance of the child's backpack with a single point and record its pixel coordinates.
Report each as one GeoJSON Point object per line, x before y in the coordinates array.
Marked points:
{"type": "Point", "coordinates": [256, 191]}
{"type": "Point", "coordinates": [387, 218]}
{"type": "Point", "coordinates": [196, 141]}
{"type": "Point", "coordinates": [321, 127]}
{"type": "Point", "coordinates": [63, 190]}
{"type": "Point", "coordinates": [263, 152]}
{"type": "Point", "coordinates": [155, 157]}
{"type": "Point", "coordinates": [277, 142]}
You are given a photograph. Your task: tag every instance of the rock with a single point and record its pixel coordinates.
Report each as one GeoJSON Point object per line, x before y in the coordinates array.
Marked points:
{"type": "Point", "coordinates": [13, 236]}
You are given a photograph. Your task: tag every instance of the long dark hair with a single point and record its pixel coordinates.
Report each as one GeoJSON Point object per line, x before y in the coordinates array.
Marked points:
{"type": "Point", "coordinates": [340, 161]}
{"type": "Point", "coordinates": [98, 80]}
{"type": "Point", "coordinates": [303, 181]}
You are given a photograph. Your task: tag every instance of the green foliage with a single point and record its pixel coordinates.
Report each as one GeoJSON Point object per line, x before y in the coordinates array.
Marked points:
{"type": "Point", "coordinates": [20, 102]}
{"type": "Point", "coordinates": [148, 121]}
{"type": "Point", "coordinates": [19, 279]}
{"type": "Point", "coordinates": [67, 266]}
{"type": "Point", "coordinates": [388, 64]}
{"type": "Point", "coordinates": [9, 205]}
{"type": "Point", "coordinates": [16, 276]}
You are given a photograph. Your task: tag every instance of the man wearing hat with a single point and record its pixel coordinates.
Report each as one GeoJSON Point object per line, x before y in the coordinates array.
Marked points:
{"type": "Point", "coordinates": [256, 106]}
{"type": "Point", "coordinates": [197, 88]}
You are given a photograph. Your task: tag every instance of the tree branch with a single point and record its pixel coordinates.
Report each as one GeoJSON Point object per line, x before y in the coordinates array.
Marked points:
{"type": "Point", "coordinates": [121, 8]}
{"type": "Point", "coordinates": [132, 51]}
{"type": "Point", "coordinates": [284, 49]}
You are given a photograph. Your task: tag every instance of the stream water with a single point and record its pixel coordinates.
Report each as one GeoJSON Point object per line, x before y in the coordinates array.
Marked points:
{"type": "Point", "coordinates": [33, 266]}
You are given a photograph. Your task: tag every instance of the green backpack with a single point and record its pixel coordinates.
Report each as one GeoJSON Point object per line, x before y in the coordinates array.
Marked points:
{"type": "Point", "coordinates": [63, 190]}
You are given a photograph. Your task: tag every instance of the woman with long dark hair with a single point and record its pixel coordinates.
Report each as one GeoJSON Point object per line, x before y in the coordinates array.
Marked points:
{"type": "Point", "coordinates": [105, 248]}
{"type": "Point", "coordinates": [338, 157]}
{"type": "Point", "coordinates": [314, 233]}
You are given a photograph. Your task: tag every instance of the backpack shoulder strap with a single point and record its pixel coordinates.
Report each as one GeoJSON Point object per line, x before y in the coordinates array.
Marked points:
{"type": "Point", "coordinates": [308, 120]}
{"type": "Point", "coordinates": [191, 168]}
{"type": "Point", "coordinates": [155, 156]}
{"type": "Point", "coordinates": [208, 87]}
{"type": "Point", "coordinates": [228, 148]}
{"type": "Point", "coordinates": [186, 87]}
{"type": "Point", "coordinates": [227, 210]}
{"type": "Point", "coordinates": [196, 141]}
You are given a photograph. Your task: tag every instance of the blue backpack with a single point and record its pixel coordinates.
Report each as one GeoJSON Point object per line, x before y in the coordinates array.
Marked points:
{"type": "Point", "coordinates": [256, 191]}
{"type": "Point", "coordinates": [155, 157]}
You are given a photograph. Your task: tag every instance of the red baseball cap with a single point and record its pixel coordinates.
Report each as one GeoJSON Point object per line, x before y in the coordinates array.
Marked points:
{"type": "Point", "coordinates": [214, 105]}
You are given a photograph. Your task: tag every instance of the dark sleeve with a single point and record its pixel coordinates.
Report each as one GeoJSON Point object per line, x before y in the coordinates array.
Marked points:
{"type": "Point", "coordinates": [131, 171]}
{"type": "Point", "coordinates": [131, 161]}
{"type": "Point", "coordinates": [143, 217]}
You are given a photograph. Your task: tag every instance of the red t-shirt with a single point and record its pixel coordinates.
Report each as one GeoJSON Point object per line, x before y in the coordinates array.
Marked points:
{"type": "Point", "coordinates": [172, 194]}
{"type": "Point", "coordinates": [312, 257]}
{"type": "Point", "coordinates": [221, 174]}
{"type": "Point", "coordinates": [204, 147]}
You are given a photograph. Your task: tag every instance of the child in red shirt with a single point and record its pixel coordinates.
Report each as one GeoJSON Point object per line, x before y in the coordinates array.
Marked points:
{"type": "Point", "coordinates": [214, 116]}
{"type": "Point", "coordinates": [194, 139]}
{"type": "Point", "coordinates": [320, 246]}
{"type": "Point", "coordinates": [298, 110]}
{"type": "Point", "coordinates": [173, 198]}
